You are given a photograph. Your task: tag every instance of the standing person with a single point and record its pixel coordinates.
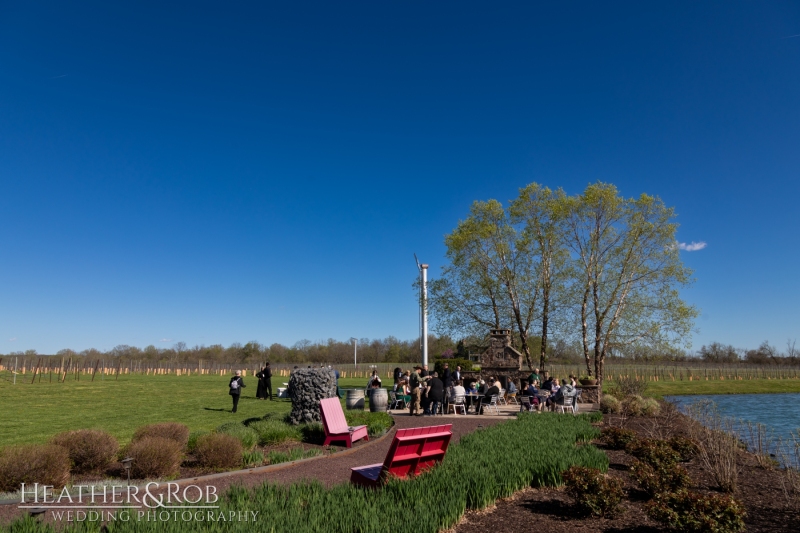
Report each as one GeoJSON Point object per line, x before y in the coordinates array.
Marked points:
{"type": "Point", "coordinates": [415, 408]}
{"type": "Point", "coordinates": [457, 374]}
{"type": "Point", "coordinates": [235, 388]}
{"type": "Point", "coordinates": [267, 379]}
{"type": "Point", "coordinates": [534, 376]}
{"type": "Point", "coordinates": [398, 374]}
{"type": "Point", "coordinates": [336, 373]}
{"type": "Point", "coordinates": [435, 393]}
{"type": "Point", "coordinates": [261, 390]}
{"type": "Point", "coordinates": [424, 372]}
{"type": "Point", "coordinates": [447, 379]}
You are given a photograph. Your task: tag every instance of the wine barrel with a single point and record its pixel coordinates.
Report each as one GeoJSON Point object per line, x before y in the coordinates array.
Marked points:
{"type": "Point", "coordinates": [355, 399]}
{"type": "Point", "coordinates": [378, 401]}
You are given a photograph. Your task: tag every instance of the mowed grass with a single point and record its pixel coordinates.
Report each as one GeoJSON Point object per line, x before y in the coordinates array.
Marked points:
{"type": "Point", "coordinates": [32, 413]}
{"type": "Point", "coordinates": [659, 389]}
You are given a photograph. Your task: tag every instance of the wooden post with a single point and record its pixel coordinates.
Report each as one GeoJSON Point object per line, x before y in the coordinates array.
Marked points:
{"type": "Point", "coordinates": [96, 364]}
{"type": "Point", "coordinates": [36, 370]}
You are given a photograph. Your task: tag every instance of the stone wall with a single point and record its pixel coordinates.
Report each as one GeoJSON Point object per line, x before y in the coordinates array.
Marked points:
{"type": "Point", "coordinates": [307, 386]}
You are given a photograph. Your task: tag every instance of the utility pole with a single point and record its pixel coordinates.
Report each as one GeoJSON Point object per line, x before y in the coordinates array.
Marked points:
{"type": "Point", "coordinates": [423, 308]}
{"type": "Point", "coordinates": [355, 351]}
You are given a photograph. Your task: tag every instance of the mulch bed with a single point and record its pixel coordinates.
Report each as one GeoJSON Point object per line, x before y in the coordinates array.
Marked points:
{"type": "Point", "coordinates": [551, 510]}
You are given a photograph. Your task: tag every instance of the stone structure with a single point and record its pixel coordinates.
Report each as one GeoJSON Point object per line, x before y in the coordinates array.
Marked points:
{"type": "Point", "coordinates": [307, 386]}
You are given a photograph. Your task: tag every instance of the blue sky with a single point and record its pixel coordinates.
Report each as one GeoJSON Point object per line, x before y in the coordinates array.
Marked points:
{"type": "Point", "coordinates": [218, 173]}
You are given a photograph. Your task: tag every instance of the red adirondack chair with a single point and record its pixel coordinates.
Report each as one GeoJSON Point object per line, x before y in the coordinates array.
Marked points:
{"type": "Point", "coordinates": [336, 427]}
{"type": "Point", "coordinates": [413, 450]}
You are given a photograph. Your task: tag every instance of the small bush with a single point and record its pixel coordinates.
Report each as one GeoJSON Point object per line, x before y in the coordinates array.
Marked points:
{"type": "Point", "coordinates": [650, 407]}
{"type": "Point", "coordinates": [46, 464]}
{"type": "Point", "coordinates": [219, 451]}
{"type": "Point", "coordinates": [633, 405]}
{"type": "Point", "coordinates": [610, 404]}
{"type": "Point", "coordinates": [693, 512]}
{"type": "Point", "coordinates": [377, 423]}
{"type": "Point", "coordinates": [653, 481]}
{"type": "Point", "coordinates": [656, 453]}
{"type": "Point", "coordinates": [247, 436]}
{"type": "Point", "coordinates": [617, 438]}
{"type": "Point", "coordinates": [90, 450]}
{"type": "Point", "coordinates": [313, 433]}
{"type": "Point", "coordinates": [157, 457]}
{"type": "Point", "coordinates": [686, 448]}
{"type": "Point", "coordinates": [593, 492]}
{"type": "Point", "coordinates": [165, 430]}
{"type": "Point", "coordinates": [271, 432]}
{"type": "Point", "coordinates": [191, 444]}
{"type": "Point", "coordinates": [294, 454]}
{"type": "Point", "coordinates": [630, 386]}
{"type": "Point", "coordinates": [252, 459]}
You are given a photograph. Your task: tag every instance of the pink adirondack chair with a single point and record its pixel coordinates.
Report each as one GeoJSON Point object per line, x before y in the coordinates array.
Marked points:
{"type": "Point", "coordinates": [413, 450]}
{"type": "Point", "coordinates": [336, 427]}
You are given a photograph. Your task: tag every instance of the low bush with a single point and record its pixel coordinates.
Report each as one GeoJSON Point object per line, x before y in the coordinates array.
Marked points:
{"type": "Point", "coordinates": [632, 405]}
{"type": "Point", "coordinates": [693, 512]}
{"type": "Point", "coordinates": [653, 481]}
{"type": "Point", "coordinates": [594, 493]}
{"type": "Point", "coordinates": [165, 430]}
{"type": "Point", "coordinates": [293, 454]}
{"type": "Point", "coordinates": [90, 450]}
{"type": "Point", "coordinates": [592, 417]}
{"type": "Point", "coordinates": [253, 459]}
{"type": "Point", "coordinates": [377, 423]}
{"type": "Point", "coordinates": [313, 433]}
{"type": "Point", "coordinates": [46, 464]}
{"type": "Point", "coordinates": [610, 404]}
{"type": "Point", "coordinates": [453, 362]}
{"type": "Point", "coordinates": [650, 407]}
{"type": "Point", "coordinates": [155, 457]}
{"type": "Point", "coordinates": [219, 451]}
{"type": "Point", "coordinates": [617, 438]}
{"type": "Point", "coordinates": [629, 386]}
{"type": "Point", "coordinates": [271, 432]}
{"type": "Point", "coordinates": [191, 444]}
{"type": "Point", "coordinates": [656, 453]}
{"type": "Point", "coordinates": [246, 435]}
{"type": "Point", "coordinates": [685, 447]}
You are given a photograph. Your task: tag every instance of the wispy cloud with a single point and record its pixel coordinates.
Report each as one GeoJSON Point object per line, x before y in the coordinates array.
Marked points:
{"type": "Point", "coordinates": [165, 340]}
{"type": "Point", "coordinates": [12, 339]}
{"type": "Point", "coordinates": [692, 247]}
{"type": "Point", "coordinates": [791, 36]}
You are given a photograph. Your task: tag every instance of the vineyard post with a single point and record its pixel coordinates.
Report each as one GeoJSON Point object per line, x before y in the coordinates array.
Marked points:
{"type": "Point", "coordinates": [15, 371]}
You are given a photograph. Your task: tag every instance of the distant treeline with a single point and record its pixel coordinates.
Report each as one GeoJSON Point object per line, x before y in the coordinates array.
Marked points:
{"type": "Point", "coordinates": [393, 350]}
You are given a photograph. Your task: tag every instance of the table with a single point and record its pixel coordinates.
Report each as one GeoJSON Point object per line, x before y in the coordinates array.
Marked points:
{"type": "Point", "coordinates": [470, 400]}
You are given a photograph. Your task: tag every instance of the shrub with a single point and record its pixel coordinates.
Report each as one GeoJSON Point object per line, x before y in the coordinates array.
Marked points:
{"type": "Point", "coordinates": [252, 459]}
{"type": "Point", "coordinates": [667, 478]}
{"type": "Point", "coordinates": [686, 448]}
{"type": "Point", "coordinates": [617, 438]}
{"type": "Point", "coordinates": [46, 464]}
{"type": "Point", "coordinates": [629, 386]}
{"type": "Point", "coordinates": [650, 407]}
{"type": "Point", "coordinates": [271, 432]}
{"type": "Point", "coordinates": [656, 453]}
{"type": "Point", "coordinates": [695, 513]}
{"type": "Point", "coordinates": [632, 405]}
{"type": "Point", "coordinates": [247, 436]}
{"type": "Point", "coordinates": [377, 423]}
{"type": "Point", "coordinates": [155, 457]}
{"type": "Point", "coordinates": [610, 404]}
{"type": "Point", "coordinates": [165, 430]}
{"type": "Point", "coordinates": [593, 492]}
{"type": "Point", "coordinates": [313, 433]}
{"type": "Point", "coordinates": [219, 451]}
{"type": "Point", "coordinates": [465, 364]}
{"type": "Point", "coordinates": [90, 450]}
{"type": "Point", "coordinates": [717, 444]}
{"type": "Point", "coordinates": [191, 444]}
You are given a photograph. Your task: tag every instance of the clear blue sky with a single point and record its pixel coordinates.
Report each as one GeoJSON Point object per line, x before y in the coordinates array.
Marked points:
{"type": "Point", "coordinates": [213, 173]}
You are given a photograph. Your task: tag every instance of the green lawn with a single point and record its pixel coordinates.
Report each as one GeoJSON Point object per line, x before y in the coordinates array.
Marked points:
{"type": "Point", "coordinates": [660, 389]}
{"type": "Point", "coordinates": [35, 412]}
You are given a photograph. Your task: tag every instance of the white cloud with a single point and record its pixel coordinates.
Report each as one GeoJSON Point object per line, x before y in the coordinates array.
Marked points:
{"type": "Point", "coordinates": [12, 339]}
{"type": "Point", "coordinates": [165, 340]}
{"type": "Point", "coordinates": [693, 246]}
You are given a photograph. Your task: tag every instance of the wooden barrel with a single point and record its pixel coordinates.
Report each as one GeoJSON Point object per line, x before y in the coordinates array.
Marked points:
{"type": "Point", "coordinates": [378, 401]}
{"type": "Point", "coordinates": [355, 399]}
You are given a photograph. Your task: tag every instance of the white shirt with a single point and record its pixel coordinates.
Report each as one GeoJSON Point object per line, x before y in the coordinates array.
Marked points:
{"type": "Point", "coordinates": [457, 390]}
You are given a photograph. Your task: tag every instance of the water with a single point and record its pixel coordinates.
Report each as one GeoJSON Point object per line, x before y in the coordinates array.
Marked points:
{"type": "Point", "coordinates": [779, 412]}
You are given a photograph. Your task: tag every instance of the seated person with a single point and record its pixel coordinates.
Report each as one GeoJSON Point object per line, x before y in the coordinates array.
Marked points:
{"type": "Point", "coordinates": [555, 386]}
{"type": "Point", "coordinates": [512, 388]}
{"type": "Point", "coordinates": [482, 387]}
{"type": "Point", "coordinates": [566, 390]}
{"type": "Point", "coordinates": [547, 384]}
{"type": "Point", "coordinates": [456, 390]}
{"type": "Point", "coordinates": [473, 389]}
{"type": "Point", "coordinates": [493, 390]}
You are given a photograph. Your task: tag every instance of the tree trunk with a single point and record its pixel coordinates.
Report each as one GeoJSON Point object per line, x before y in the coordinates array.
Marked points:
{"type": "Point", "coordinates": [545, 311]}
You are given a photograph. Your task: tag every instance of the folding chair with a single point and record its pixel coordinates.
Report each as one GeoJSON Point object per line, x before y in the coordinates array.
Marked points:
{"type": "Point", "coordinates": [396, 403]}
{"type": "Point", "coordinates": [569, 403]}
{"type": "Point", "coordinates": [492, 402]}
{"type": "Point", "coordinates": [502, 397]}
{"type": "Point", "coordinates": [456, 404]}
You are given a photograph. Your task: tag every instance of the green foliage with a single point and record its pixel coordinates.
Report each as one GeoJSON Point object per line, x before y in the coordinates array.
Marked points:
{"type": "Point", "coordinates": [465, 364]}
{"type": "Point", "coordinates": [664, 478]}
{"type": "Point", "coordinates": [191, 445]}
{"type": "Point", "coordinates": [656, 453]}
{"type": "Point", "coordinates": [377, 423]}
{"type": "Point", "coordinates": [650, 407]}
{"type": "Point", "coordinates": [90, 450]}
{"type": "Point", "coordinates": [610, 404]}
{"type": "Point", "coordinates": [593, 417]}
{"type": "Point", "coordinates": [248, 436]}
{"type": "Point", "coordinates": [313, 433]}
{"type": "Point", "coordinates": [271, 432]}
{"type": "Point", "coordinates": [46, 464]}
{"type": "Point", "coordinates": [220, 451]}
{"type": "Point", "coordinates": [685, 447]}
{"type": "Point", "coordinates": [293, 454]}
{"type": "Point", "coordinates": [617, 438]}
{"type": "Point", "coordinates": [692, 512]}
{"type": "Point", "coordinates": [254, 458]}
{"type": "Point", "coordinates": [594, 493]}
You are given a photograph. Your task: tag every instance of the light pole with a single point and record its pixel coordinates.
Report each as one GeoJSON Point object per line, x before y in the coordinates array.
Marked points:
{"type": "Point", "coordinates": [355, 351]}
{"type": "Point", "coordinates": [423, 308]}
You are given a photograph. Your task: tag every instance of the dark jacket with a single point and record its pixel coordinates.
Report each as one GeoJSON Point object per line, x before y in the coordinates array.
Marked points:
{"type": "Point", "coordinates": [447, 377]}
{"type": "Point", "coordinates": [237, 390]}
{"type": "Point", "coordinates": [436, 390]}
{"type": "Point", "coordinates": [493, 390]}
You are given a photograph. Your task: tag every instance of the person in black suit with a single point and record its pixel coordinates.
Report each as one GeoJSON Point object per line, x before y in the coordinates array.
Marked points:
{"type": "Point", "coordinates": [435, 393]}
{"type": "Point", "coordinates": [235, 388]}
{"type": "Point", "coordinates": [447, 379]}
{"type": "Point", "coordinates": [491, 391]}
